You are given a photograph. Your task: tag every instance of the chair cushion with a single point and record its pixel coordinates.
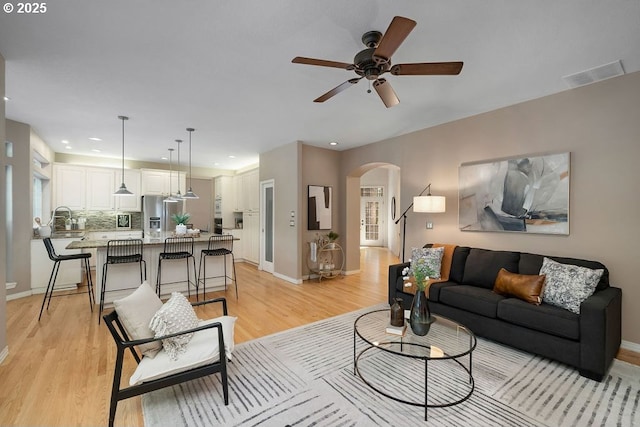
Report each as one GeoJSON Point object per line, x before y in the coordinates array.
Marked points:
{"type": "Point", "coordinates": [544, 318]}
{"type": "Point", "coordinates": [176, 315]}
{"type": "Point", "coordinates": [471, 298]}
{"type": "Point", "coordinates": [202, 350]}
{"type": "Point", "coordinates": [135, 312]}
{"type": "Point", "coordinates": [482, 266]}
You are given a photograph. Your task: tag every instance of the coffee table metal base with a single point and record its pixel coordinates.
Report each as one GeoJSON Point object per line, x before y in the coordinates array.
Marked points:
{"type": "Point", "coordinates": [425, 404]}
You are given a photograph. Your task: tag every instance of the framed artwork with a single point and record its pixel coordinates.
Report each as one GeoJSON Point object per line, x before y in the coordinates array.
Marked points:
{"type": "Point", "coordinates": [123, 221]}
{"type": "Point", "coordinates": [527, 194]}
{"type": "Point", "coordinates": [319, 204]}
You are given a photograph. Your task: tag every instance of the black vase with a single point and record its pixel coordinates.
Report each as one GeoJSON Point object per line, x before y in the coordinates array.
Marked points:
{"type": "Point", "coordinates": [420, 318]}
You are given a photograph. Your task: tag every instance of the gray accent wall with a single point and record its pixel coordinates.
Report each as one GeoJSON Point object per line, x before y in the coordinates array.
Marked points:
{"type": "Point", "coordinates": [599, 124]}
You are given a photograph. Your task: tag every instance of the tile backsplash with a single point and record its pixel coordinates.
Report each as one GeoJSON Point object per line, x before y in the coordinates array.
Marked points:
{"type": "Point", "coordinates": [101, 220]}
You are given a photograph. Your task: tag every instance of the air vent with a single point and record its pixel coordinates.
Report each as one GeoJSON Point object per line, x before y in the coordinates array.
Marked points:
{"type": "Point", "coordinates": [593, 75]}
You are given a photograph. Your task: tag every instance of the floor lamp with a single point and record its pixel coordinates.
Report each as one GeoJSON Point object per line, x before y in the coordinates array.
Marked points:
{"type": "Point", "coordinates": [428, 203]}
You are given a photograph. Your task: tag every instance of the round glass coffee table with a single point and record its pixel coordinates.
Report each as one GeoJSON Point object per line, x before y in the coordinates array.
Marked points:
{"type": "Point", "coordinates": [448, 343]}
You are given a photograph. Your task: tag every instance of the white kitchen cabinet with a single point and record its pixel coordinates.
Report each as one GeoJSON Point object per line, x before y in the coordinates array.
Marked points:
{"type": "Point", "coordinates": [224, 195]}
{"type": "Point", "coordinates": [238, 245]}
{"type": "Point", "coordinates": [69, 183]}
{"type": "Point", "coordinates": [247, 191]}
{"type": "Point", "coordinates": [251, 236]}
{"type": "Point", "coordinates": [156, 182]}
{"type": "Point", "coordinates": [69, 272]}
{"type": "Point", "coordinates": [132, 180]}
{"type": "Point", "coordinates": [100, 188]}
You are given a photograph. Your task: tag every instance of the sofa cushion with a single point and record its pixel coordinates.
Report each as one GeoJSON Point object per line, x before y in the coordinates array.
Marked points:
{"type": "Point", "coordinates": [527, 287]}
{"type": "Point", "coordinates": [531, 264]}
{"type": "Point", "coordinates": [568, 285]}
{"type": "Point", "coordinates": [431, 258]}
{"type": "Point", "coordinates": [458, 261]}
{"type": "Point", "coordinates": [471, 298]}
{"type": "Point", "coordinates": [482, 266]}
{"type": "Point", "coordinates": [544, 318]}
{"type": "Point", "coordinates": [435, 288]}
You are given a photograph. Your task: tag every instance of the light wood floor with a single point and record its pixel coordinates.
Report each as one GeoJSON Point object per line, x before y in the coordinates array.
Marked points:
{"type": "Point", "coordinates": [59, 370]}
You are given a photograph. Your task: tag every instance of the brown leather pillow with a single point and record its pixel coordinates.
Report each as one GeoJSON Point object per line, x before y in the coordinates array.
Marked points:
{"type": "Point", "coordinates": [527, 287]}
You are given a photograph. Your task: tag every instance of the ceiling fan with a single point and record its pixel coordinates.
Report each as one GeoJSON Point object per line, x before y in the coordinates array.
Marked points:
{"type": "Point", "coordinates": [374, 61]}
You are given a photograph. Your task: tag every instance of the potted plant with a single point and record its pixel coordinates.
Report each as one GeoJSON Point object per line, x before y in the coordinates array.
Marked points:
{"type": "Point", "coordinates": [332, 236]}
{"type": "Point", "coordinates": [181, 220]}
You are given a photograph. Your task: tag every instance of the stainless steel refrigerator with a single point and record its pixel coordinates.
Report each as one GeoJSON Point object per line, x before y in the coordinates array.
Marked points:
{"type": "Point", "coordinates": [156, 214]}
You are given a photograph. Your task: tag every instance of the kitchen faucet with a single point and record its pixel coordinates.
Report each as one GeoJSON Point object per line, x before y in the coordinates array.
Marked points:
{"type": "Point", "coordinates": [54, 215]}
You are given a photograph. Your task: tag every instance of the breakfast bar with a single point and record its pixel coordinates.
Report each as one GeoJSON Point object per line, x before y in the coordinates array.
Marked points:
{"type": "Point", "coordinates": [122, 278]}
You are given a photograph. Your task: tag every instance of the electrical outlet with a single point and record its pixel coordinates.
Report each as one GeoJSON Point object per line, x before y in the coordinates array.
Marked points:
{"type": "Point", "coordinates": [429, 225]}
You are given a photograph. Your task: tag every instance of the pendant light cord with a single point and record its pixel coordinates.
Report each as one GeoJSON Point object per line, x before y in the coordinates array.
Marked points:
{"type": "Point", "coordinates": [123, 118]}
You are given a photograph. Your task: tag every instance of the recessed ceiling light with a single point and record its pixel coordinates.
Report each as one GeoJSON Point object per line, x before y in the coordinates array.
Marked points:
{"type": "Point", "coordinates": [68, 147]}
{"type": "Point", "coordinates": [232, 157]}
{"type": "Point", "coordinates": [6, 98]}
{"type": "Point", "coordinates": [95, 139]}
{"type": "Point", "coordinates": [64, 141]}
{"type": "Point", "coordinates": [95, 150]}
{"type": "Point", "coordinates": [216, 164]}
{"type": "Point", "coordinates": [333, 143]}
{"type": "Point", "coordinates": [164, 158]}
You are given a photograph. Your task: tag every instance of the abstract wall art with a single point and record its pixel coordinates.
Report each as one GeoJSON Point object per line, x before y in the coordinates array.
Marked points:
{"type": "Point", "coordinates": [319, 208]}
{"type": "Point", "coordinates": [528, 194]}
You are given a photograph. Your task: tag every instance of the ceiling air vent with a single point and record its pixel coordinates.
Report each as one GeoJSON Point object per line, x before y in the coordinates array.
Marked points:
{"type": "Point", "coordinates": [603, 72]}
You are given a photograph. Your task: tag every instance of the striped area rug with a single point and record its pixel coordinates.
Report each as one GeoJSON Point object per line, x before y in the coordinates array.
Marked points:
{"type": "Point", "coordinates": [304, 377]}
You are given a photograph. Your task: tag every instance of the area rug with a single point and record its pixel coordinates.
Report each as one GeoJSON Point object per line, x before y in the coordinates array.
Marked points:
{"type": "Point", "coordinates": [304, 377]}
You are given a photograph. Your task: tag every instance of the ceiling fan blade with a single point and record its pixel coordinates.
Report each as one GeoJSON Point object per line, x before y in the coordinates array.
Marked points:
{"type": "Point", "coordinates": [398, 30]}
{"type": "Point", "coordinates": [427, 69]}
{"type": "Point", "coordinates": [336, 90]}
{"type": "Point", "coordinates": [386, 92]}
{"type": "Point", "coordinates": [322, 63]}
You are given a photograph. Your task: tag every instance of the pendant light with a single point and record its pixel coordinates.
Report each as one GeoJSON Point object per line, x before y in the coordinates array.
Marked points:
{"type": "Point", "coordinates": [178, 193]}
{"type": "Point", "coordinates": [170, 199]}
{"type": "Point", "coordinates": [122, 191]}
{"type": "Point", "coordinates": [190, 194]}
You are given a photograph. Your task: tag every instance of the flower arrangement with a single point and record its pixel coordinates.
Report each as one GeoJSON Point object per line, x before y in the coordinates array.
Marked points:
{"type": "Point", "coordinates": [181, 218]}
{"type": "Point", "coordinates": [420, 270]}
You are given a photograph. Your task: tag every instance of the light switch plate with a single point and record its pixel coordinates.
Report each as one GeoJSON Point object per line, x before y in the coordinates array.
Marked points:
{"type": "Point", "coordinates": [429, 225]}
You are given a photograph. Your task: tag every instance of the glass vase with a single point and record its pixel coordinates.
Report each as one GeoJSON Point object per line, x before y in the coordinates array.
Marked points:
{"type": "Point", "coordinates": [420, 318]}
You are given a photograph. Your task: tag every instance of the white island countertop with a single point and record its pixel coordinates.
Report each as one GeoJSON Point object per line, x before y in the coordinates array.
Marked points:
{"type": "Point", "coordinates": [102, 243]}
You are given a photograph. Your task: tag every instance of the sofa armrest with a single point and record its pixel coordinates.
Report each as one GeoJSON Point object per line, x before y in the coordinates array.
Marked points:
{"type": "Point", "coordinates": [395, 272]}
{"type": "Point", "coordinates": [600, 331]}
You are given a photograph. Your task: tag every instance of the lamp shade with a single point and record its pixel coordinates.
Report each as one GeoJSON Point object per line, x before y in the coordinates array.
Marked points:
{"type": "Point", "coordinates": [432, 204]}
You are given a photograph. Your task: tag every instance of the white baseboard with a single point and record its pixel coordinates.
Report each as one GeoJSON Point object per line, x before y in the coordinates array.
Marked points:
{"type": "Point", "coordinates": [287, 278]}
{"type": "Point", "coordinates": [4, 353]}
{"type": "Point", "coordinates": [19, 295]}
{"type": "Point", "coordinates": [631, 346]}
{"type": "Point", "coordinates": [350, 272]}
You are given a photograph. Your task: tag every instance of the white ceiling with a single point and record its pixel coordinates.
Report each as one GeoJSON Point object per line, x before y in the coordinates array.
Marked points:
{"type": "Point", "coordinates": [224, 68]}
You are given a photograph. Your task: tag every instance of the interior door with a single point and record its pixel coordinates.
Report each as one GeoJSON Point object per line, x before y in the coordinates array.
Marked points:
{"type": "Point", "coordinates": [266, 225]}
{"type": "Point", "coordinates": [372, 216]}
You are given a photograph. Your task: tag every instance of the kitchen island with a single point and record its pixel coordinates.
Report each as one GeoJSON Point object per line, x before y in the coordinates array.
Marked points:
{"type": "Point", "coordinates": [123, 278]}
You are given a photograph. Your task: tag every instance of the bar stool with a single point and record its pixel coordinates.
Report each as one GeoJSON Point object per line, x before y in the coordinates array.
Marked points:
{"type": "Point", "coordinates": [220, 245]}
{"type": "Point", "coordinates": [57, 259]}
{"type": "Point", "coordinates": [122, 251]}
{"type": "Point", "coordinates": [177, 248]}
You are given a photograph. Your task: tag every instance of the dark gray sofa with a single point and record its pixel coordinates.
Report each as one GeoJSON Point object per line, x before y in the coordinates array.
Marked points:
{"type": "Point", "coordinates": [588, 341]}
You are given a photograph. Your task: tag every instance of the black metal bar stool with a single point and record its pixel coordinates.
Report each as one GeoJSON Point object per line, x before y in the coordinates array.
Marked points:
{"type": "Point", "coordinates": [122, 251]}
{"type": "Point", "coordinates": [57, 259]}
{"type": "Point", "coordinates": [221, 245]}
{"type": "Point", "coordinates": [177, 248]}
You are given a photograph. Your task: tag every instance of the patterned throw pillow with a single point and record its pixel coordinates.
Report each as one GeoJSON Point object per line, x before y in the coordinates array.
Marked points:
{"type": "Point", "coordinates": [176, 315]}
{"type": "Point", "coordinates": [568, 285]}
{"type": "Point", "coordinates": [431, 256]}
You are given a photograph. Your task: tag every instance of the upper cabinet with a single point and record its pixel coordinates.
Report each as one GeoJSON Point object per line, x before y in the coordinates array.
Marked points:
{"type": "Point", "coordinates": [69, 185]}
{"type": "Point", "coordinates": [90, 188]}
{"type": "Point", "coordinates": [156, 182]}
{"type": "Point", "coordinates": [247, 191]}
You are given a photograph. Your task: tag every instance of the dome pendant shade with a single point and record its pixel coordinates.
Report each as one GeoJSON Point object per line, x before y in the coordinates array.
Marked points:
{"type": "Point", "coordinates": [190, 194]}
{"type": "Point", "coordinates": [122, 191]}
